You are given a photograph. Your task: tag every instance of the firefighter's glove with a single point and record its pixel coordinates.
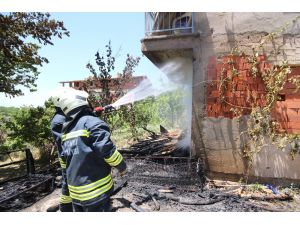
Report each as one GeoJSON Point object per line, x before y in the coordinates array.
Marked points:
{"type": "Point", "coordinates": [123, 173]}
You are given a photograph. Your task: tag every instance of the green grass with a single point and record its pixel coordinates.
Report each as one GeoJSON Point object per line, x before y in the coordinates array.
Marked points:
{"type": "Point", "coordinates": [122, 138]}
{"type": "Point", "coordinates": [256, 188]}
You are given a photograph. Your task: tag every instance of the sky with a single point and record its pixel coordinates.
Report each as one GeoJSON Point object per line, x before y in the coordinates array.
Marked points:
{"type": "Point", "coordinates": [89, 33]}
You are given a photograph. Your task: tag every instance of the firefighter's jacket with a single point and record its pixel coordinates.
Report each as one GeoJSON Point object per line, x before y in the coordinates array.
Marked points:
{"type": "Point", "coordinates": [89, 154]}
{"type": "Point", "coordinates": [56, 127]}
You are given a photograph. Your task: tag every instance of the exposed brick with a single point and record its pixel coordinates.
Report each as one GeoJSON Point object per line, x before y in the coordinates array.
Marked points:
{"type": "Point", "coordinates": [229, 94]}
{"type": "Point", "coordinates": [240, 65]}
{"type": "Point", "coordinates": [209, 89]}
{"type": "Point", "coordinates": [292, 131]}
{"type": "Point", "coordinates": [216, 107]}
{"type": "Point", "coordinates": [212, 62]}
{"type": "Point", "coordinates": [292, 104]}
{"type": "Point", "coordinates": [288, 91]}
{"type": "Point", "coordinates": [249, 80]}
{"type": "Point", "coordinates": [212, 74]}
{"type": "Point", "coordinates": [214, 94]}
{"type": "Point", "coordinates": [289, 125]}
{"type": "Point", "coordinates": [289, 85]}
{"type": "Point", "coordinates": [261, 87]}
{"type": "Point", "coordinates": [219, 69]}
{"type": "Point", "coordinates": [241, 87]}
{"type": "Point", "coordinates": [293, 96]}
{"type": "Point", "coordinates": [295, 70]}
{"type": "Point", "coordinates": [253, 86]}
{"type": "Point", "coordinates": [261, 58]}
{"type": "Point", "coordinates": [247, 66]}
{"type": "Point", "coordinates": [211, 100]}
{"type": "Point", "coordinates": [237, 94]}
{"type": "Point", "coordinates": [241, 101]}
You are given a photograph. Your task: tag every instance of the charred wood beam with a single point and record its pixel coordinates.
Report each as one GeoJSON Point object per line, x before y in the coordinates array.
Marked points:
{"type": "Point", "coordinates": [127, 151]}
{"type": "Point", "coordinates": [191, 202]}
{"type": "Point", "coordinates": [162, 157]}
{"type": "Point", "coordinates": [258, 198]}
{"type": "Point", "coordinates": [28, 189]}
{"type": "Point", "coordinates": [12, 163]}
{"type": "Point", "coordinates": [137, 208]}
{"type": "Point", "coordinates": [147, 197]}
{"type": "Point", "coordinates": [266, 208]}
{"type": "Point", "coordinates": [143, 196]}
{"type": "Point", "coordinates": [269, 198]}
{"type": "Point", "coordinates": [134, 205]}
{"type": "Point", "coordinates": [119, 187]}
{"type": "Point", "coordinates": [156, 203]}
{"type": "Point", "coordinates": [53, 208]}
{"type": "Point", "coordinates": [3, 153]}
{"type": "Point", "coordinates": [152, 133]}
{"type": "Point", "coordinates": [29, 162]}
{"type": "Point", "coordinates": [12, 179]}
{"type": "Point", "coordinates": [163, 130]}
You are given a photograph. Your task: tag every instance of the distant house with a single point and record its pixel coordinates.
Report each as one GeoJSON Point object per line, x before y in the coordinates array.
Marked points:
{"type": "Point", "coordinates": [96, 86]}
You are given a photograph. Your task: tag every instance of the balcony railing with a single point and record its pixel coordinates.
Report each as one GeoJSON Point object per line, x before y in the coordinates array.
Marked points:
{"type": "Point", "coordinates": [168, 23]}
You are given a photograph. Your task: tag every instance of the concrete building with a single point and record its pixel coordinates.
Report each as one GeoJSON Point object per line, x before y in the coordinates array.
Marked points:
{"type": "Point", "coordinates": [197, 43]}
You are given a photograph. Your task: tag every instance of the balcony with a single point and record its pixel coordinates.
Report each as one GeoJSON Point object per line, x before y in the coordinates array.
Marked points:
{"type": "Point", "coordinates": [169, 35]}
{"type": "Point", "coordinates": [168, 23]}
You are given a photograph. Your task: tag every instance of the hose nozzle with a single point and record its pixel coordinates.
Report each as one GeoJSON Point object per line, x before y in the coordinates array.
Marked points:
{"type": "Point", "coordinates": [109, 108]}
{"type": "Point", "coordinates": [105, 109]}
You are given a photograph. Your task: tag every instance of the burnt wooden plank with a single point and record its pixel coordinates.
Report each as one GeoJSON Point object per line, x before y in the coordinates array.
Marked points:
{"type": "Point", "coordinates": [12, 163]}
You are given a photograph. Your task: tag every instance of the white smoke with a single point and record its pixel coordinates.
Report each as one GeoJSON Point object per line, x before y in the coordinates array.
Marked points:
{"type": "Point", "coordinates": [176, 73]}
{"type": "Point", "coordinates": [180, 71]}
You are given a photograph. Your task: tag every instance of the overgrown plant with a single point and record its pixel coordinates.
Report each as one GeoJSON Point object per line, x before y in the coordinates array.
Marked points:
{"type": "Point", "coordinates": [111, 87]}
{"type": "Point", "coordinates": [30, 127]}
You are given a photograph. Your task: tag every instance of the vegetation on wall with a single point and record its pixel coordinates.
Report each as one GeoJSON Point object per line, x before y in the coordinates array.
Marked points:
{"type": "Point", "coordinates": [262, 128]}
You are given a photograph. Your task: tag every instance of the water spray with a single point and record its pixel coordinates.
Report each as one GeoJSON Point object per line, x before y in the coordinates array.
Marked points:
{"type": "Point", "coordinates": [179, 74]}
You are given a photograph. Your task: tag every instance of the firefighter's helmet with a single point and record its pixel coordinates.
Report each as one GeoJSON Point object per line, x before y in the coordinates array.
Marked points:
{"type": "Point", "coordinates": [56, 95]}
{"type": "Point", "coordinates": [68, 99]}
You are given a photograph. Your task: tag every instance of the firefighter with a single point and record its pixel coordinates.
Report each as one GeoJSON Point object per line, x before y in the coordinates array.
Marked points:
{"type": "Point", "coordinates": [65, 202]}
{"type": "Point", "coordinates": [89, 154]}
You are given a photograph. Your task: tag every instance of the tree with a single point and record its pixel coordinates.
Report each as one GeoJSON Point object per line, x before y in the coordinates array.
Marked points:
{"type": "Point", "coordinates": [2, 131]}
{"type": "Point", "coordinates": [111, 88]}
{"type": "Point", "coordinates": [31, 126]}
{"type": "Point", "coordinates": [106, 65]}
{"type": "Point", "coordinates": [21, 36]}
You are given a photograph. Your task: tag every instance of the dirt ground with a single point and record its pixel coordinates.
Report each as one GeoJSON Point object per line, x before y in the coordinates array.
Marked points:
{"type": "Point", "coordinates": [168, 185]}
{"type": "Point", "coordinates": [211, 199]}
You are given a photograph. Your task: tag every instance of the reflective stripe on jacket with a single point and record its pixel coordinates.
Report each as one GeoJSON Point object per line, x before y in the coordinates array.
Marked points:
{"type": "Point", "coordinates": [65, 199]}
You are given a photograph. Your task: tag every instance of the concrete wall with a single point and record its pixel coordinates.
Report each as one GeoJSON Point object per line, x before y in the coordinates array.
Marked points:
{"type": "Point", "coordinates": [221, 31]}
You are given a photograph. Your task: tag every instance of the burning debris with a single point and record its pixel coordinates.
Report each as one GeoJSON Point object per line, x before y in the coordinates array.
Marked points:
{"type": "Point", "coordinates": [166, 144]}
